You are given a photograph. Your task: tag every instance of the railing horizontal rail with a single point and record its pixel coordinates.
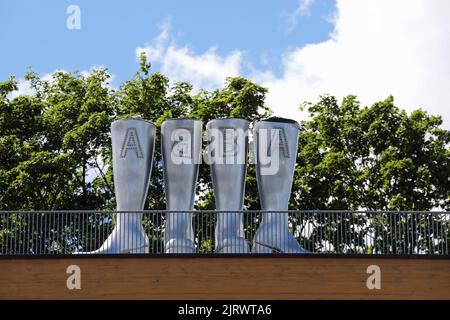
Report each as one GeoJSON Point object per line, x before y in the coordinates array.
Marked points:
{"type": "Point", "coordinates": [209, 232]}
{"type": "Point", "coordinates": [224, 211]}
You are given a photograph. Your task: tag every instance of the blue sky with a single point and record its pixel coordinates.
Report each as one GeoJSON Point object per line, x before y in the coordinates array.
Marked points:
{"type": "Point", "coordinates": [34, 33]}
{"type": "Point", "coordinates": [298, 49]}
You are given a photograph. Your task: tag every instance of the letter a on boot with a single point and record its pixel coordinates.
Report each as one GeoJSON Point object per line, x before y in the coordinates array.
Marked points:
{"type": "Point", "coordinates": [275, 153]}
{"type": "Point", "coordinates": [133, 142]}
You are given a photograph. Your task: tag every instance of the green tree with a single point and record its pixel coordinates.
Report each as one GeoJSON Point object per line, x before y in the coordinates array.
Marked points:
{"type": "Point", "coordinates": [55, 151]}
{"type": "Point", "coordinates": [375, 158]}
{"type": "Point", "coordinates": [372, 158]}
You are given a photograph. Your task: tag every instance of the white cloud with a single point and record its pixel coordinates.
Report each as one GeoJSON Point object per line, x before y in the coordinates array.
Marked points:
{"type": "Point", "coordinates": [110, 82]}
{"type": "Point", "coordinates": [23, 88]}
{"type": "Point", "coordinates": [301, 10]}
{"type": "Point", "coordinates": [378, 47]}
{"type": "Point", "coordinates": [155, 50]}
{"type": "Point", "coordinates": [207, 70]}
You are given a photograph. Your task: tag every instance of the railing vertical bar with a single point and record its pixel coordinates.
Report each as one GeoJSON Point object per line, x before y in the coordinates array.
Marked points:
{"type": "Point", "coordinates": [34, 234]}
{"type": "Point", "coordinates": [66, 233]}
{"type": "Point", "coordinates": [89, 226]}
{"type": "Point", "coordinates": [11, 230]}
{"type": "Point", "coordinates": [73, 234]}
{"type": "Point", "coordinates": [86, 231]}
{"type": "Point", "coordinates": [430, 228]}
{"type": "Point", "coordinates": [54, 232]}
{"type": "Point", "coordinates": [94, 225]}
{"type": "Point", "coordinates": [158, 226]}
{"type": "Point", "coordinates": [71, 247]}
{"type": "Point", "coordinates": [413, 234]}
{"type": "Point", "coordinates": [24, 236]}
{"type": "Point", "coordinates": [59, 234]}
{"type": "Point", "coordinates": [21, 242]}
{"type": "Point", "coordinates": [48, 236]}
{"type": "Point", "coordinates": [15, 235]}
{"type": "Point", "coordinates": [8, 238]}
{"type": "Point", "coordinates": [403, 233]}
{"type": "Point", "coordinates": [444, 240]}
{"type": "Point", "coordinates": [383, 242]}
{"type": "Point", "coordinates": [4, 234]}
{"type": "Point", "coordinates": [40, 248]}
{"type": "Point", "coordinates": [29, 236]}
{"type": "Point", "coordinates": [445, 233]}
{"type": "Point", "coordinates": [394, 236]}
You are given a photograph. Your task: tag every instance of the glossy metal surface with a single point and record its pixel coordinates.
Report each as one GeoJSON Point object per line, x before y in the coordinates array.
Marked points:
{"type": "Point", "coordinates": [133, 142]}
{"type": "Point", "coordinates": [275, 154]}
{"type": "Point", "coordinates": [227, 154]}
{"type": "Point", "coordinates": [181, 143]}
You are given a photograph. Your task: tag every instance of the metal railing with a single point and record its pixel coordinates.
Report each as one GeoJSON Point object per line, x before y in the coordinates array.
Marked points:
{"type": "Point", "coordinates": [336, 232]}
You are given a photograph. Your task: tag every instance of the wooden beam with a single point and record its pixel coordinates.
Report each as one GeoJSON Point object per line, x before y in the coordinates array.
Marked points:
{"type": "Point", "coordinates": [306, 277]}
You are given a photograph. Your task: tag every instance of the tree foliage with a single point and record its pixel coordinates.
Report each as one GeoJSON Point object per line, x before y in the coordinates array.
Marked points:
{"type": "Point", "coordinates": [55, 150]}
{"type": "Point", "coordinates": [376, 158]}
{"type": "Point", "coordinates": [55, 153]}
